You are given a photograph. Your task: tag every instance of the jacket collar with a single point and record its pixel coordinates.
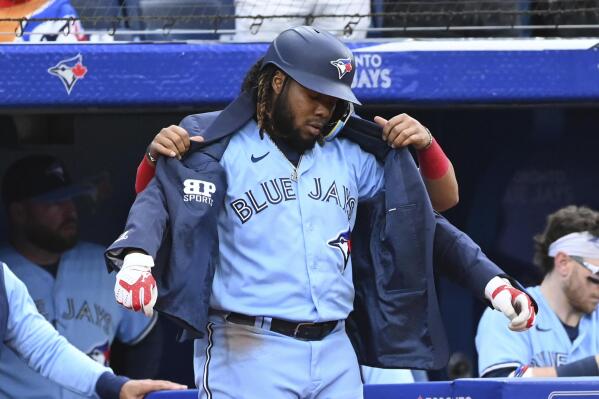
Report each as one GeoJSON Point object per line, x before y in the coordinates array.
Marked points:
{"type": "Point", "coordinates": [218, 127]}
{"type": "Point", "coordinates": [368, 135]}
{"type": "Point", "coordinates": [232, 118]}
{"type": "Point", "coordinates": [361, 131]}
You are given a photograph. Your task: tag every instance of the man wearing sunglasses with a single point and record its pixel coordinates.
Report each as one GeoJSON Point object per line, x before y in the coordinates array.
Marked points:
{"type": "Point", "coordinates": [565, 339]}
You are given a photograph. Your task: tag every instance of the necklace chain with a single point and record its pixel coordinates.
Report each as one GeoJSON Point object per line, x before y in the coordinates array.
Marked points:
{"type": "Point", "coordinates": [294, 174]}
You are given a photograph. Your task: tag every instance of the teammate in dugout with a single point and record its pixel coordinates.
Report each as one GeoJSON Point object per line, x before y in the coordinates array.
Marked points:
{"type": "Point", "coordinates": [565, 340]}
{"type": "Point", "coordinates": [26, 332]}
{"type": "Point", "coordinates": [315, 251]}
{"type": "Point", "coordinates": [66, 277]}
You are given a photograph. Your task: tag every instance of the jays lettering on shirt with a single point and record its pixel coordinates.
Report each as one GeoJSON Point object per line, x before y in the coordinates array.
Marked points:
{"type": "Point", "coordinates": [40, 345]}
{"type": "Point", "coordinates": [80, 304]}
{"type": "Point", "coordinates": [285, 233]}
{"type": "Point", "coordinates": [545, 345]}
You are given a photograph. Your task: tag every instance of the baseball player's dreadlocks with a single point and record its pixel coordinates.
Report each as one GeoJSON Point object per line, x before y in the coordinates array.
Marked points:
{"type": "Point", "coordinates": [260, 79]}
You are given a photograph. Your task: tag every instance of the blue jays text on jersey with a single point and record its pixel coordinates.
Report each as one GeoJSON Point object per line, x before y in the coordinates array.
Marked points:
{"type": "Point", "coordinates": [545, 345]}
{"type": "Point", "coordinates": [391, 252]}
{"type": "Point", "coordinates": [274, 191]}
{"type": "Point", "coordinates": [306, 269]}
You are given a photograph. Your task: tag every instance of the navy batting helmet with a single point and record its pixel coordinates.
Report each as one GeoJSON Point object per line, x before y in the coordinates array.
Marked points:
{"type": "Point", "coordinates": [315, 59]}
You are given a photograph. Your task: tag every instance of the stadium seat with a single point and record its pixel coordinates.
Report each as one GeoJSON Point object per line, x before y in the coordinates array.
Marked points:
{"type": "Point", "coordinates": [116, 16]}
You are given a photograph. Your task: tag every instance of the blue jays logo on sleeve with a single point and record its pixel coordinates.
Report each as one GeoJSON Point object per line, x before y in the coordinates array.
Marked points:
{"type": "Point", "coordinates": [343, 243]}
{"type": "Point", "coordinates": [343, 66]}
{"type": "Point", "coordinates": [69, 71]}
{"type": "Point", "coordinates": [101, 353]}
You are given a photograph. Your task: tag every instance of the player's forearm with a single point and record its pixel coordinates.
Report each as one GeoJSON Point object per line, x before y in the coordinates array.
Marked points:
{"type": "Point", "coordinates": [586, 367]}
{"type": "Point", "coordinates": [443, 191]}
{"type": "Point", "coordinates": [33, 339]}
{"type": "Point", "coordinates": [145, 173]}
{"type": "Point", "coordinates": [56, 359]}
{"type": "Point", "coordinates": [439, 177]}
{"type": "Point", "coordinates": [543, 372]}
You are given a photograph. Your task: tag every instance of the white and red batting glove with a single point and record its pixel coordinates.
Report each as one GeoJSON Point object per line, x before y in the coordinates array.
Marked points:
{"type": "Point", "coordinates": [135, 287]}
{"type": "Point", "coordinates": [513, 303]}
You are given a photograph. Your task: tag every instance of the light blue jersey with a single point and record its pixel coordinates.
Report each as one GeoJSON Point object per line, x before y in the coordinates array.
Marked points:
{"type": "Point", "coordinates": [545, 345]}
{"type": "Point", "coordinates": [285, 244]}
{"type": "Point", "coordinates": [285, 234]}
{"type": "Point", "coordinates": [41, 347]}
{"type": "Point", "coordinates": [81, 306]}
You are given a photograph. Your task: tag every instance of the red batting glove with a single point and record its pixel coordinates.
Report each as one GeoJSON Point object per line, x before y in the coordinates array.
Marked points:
{"type": "Point", "coordinates": [135, 287]}
{"type": "Point", "coordinates": [513, 303]}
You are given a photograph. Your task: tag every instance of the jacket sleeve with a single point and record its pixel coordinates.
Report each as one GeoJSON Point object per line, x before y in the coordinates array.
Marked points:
{"type": "Point", "coordinates": [148, 221]}
{"type": "Point", "coordinates": [146, 225]}
{"type": "Point", "coordinates": [457, 256]}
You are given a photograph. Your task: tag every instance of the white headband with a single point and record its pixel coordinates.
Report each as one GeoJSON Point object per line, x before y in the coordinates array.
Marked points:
{"type": "Point", "coordinates": [576, 244]}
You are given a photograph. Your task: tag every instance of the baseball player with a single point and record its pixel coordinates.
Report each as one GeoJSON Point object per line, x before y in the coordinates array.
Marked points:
{"type": "Point", "coordinates": [261, 252]}
{"type": "Point", "coordinates": [565, 340]}
{"type": "Point", "coordinates": [24, 331]}
{"type": "Point", "coordinates": [67, 279]}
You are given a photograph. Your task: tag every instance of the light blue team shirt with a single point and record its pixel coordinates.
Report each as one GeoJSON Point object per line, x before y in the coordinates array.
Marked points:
{"type": "Point", "coordinates": [285, 240]}
{"type": "Point", "coordinates": [545, 345]}
{"type": "Point", "coordinates": [41, 347]}
{"type": "Point", "coordinates": [80, 304]}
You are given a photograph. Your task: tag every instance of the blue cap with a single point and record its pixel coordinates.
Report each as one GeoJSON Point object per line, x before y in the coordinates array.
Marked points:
{"type": "Point", "coordinates": [316, 59]}
{"type": "Point", "coordinates": [40, 178]}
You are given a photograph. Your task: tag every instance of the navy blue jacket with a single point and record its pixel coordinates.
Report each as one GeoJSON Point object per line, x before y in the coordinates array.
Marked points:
{"type": "Point", "coordinates": [396, 240]}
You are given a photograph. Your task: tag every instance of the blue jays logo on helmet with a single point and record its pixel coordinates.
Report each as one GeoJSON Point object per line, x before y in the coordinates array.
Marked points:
{"type": "Point", "coordinates": [101, 353]}
{"type": "Point", "coordinates": [343, 243]}
{"type": "Point", "coordinates": [343, 66]}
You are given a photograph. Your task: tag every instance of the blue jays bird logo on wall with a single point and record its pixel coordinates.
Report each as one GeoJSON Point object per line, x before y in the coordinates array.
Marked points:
{"type": "Point", "coordinates": [343, 66]}
{"type": "Point", "coordinates": [69, 71]}
{"type": "Point", "coordinates": [343, 243]}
